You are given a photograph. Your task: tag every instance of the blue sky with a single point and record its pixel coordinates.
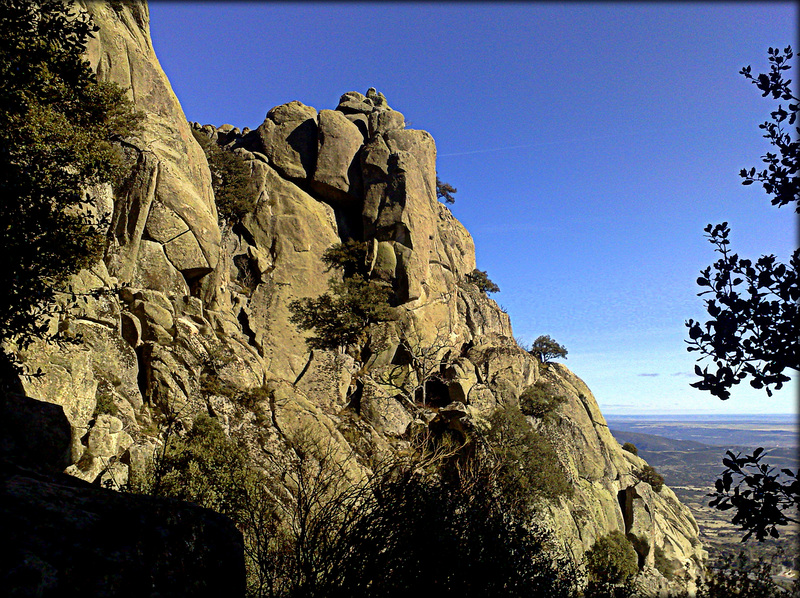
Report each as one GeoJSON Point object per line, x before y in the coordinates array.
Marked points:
{"type": "Point", "coordinates": [589, 143]}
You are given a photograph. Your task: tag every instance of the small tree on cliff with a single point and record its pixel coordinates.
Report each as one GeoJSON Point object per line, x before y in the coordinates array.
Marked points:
{"type": "Point", "coordinates": [445, 191]}
{"type": "Point", "coordinates": [341, 316]}
{"type": "Point", "coordinates": [631, 448]}
{"type": "Point", "coordinates": [545, 348]}
{"type": "Point", "coordinates": [57, 125]}
{"type": "Point", "coordinates": [481, 280]}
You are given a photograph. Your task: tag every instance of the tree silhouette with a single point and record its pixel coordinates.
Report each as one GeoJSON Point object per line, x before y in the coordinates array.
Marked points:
{"type": "Point", "coordinates": [545, 348]}
{"type": "Point", "coordinates": [754, 323]}
{"type": "Point", "coordinates": [445, 191]}
{"type": "Point", "coordinates": [57, 128]}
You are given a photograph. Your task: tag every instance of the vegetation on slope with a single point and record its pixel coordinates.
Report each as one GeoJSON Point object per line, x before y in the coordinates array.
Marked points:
{"type": "Point", "coordinates": [408, 527]}
{"type": "Point", "coordinates": [230, 179]}
{"type": "Point", "coordinates": [57, 128]}
{"type": "Point", "coordinates": [341, 316]}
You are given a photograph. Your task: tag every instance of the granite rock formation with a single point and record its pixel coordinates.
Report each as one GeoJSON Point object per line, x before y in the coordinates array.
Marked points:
{"type": "Point", "coordinates": [194, 292]}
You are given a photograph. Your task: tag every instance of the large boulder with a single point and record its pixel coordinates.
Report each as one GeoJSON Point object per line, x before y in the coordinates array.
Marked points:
{"type": "Point", "coordinates": [65, 537]}
{"type": "Point", "coordinates": [337, 176]}
{"type": "Point", "coordinates": [291, 230]}
{"type": "Point", "coordinates": [353, 102]}
{"type": "Point", "coordinates": [288, 137]}
{"type": "Point", "coordinates": [384, 121]}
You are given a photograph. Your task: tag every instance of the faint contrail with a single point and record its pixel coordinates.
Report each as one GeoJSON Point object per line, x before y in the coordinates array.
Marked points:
{"type": "Point", "coordinates": [543, 143]}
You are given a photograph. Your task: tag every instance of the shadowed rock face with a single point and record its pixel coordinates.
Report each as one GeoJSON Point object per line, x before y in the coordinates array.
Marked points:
{"type": "Point", "coordinates": [34, 433]}
{"type": "Point", "coordinates": [194, 293]}
{"type": "Point", "coordinates": [70, 538]}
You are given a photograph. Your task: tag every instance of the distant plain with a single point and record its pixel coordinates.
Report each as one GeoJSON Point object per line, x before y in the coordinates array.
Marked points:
{"type": "Point", "coordinates": [688, 452]}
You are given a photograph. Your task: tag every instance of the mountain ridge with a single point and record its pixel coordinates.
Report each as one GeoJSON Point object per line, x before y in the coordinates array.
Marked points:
{"type": "Point", "coordinates": [201, 313]}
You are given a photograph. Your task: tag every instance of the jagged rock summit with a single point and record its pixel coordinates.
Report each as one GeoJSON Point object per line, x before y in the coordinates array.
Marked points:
{"type": "Point", "coordinates": [197, 294]}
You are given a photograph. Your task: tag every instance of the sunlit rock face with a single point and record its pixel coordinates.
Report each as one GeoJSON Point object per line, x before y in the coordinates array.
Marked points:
{"type": "Point", "coordinates": [167, 204]}
{"type": "Point", "coordinates": [193, 293]}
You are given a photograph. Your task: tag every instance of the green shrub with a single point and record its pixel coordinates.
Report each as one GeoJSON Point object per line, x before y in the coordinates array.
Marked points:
{"type": "Point", "coordinates": [350, 257]}
{"type": "Point", "coordinates": [396, 533]}
{"type": "Point", "coordinates": [539, 400]}
{"type": "Point", "coordinates": [651, 476]}
{"type": "Point", "coordinates": [212, 384]}
{"type": "Point", "coordinates": [663, 564]}
{"type": "Point", "coordinates": [230, 179]}
{"type": "Point", "coordinates": [105, 404]}
{"type": "Point", "coordinates": [612, 559]}
{"type": "Point", "coordinates": [341, 316]}
{"type": "Point", "coordinates": [208, 468]}
{"type": "Point", "coordinates": [481, 280]}
{"type": "Point", "coordinates": [631, 448]}
{"type": "Point", "coordinates": [251, 397]}
{"type": "Point", "coordinates": [527, 466]}
{"type": "Point", "coordinates": [204, 467]}
{"type": "Point", "coordinates": [415, 525]}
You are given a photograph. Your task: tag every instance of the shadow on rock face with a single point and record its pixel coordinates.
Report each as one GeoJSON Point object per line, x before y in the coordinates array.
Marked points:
{"type": "Point", "coordinates": [34, 434]}
{"type": "Point", "coordinates": [66, 537]}
{"type": "Point", "coordinates": [71, 538]}
{"type": "Point", "coordinates": [303, 140]}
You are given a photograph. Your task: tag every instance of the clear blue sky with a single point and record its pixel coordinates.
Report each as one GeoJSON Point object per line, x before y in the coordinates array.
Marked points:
{"type": "Point", "coordinates": [589, 143]}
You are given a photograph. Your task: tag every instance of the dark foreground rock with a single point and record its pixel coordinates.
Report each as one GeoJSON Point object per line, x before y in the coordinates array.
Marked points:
{"type": "Point", "coordinates": [71, 538]}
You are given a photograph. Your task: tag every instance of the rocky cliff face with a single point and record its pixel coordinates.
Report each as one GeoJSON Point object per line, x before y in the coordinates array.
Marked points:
{"type": "Point", "coordinates": [196, 297]}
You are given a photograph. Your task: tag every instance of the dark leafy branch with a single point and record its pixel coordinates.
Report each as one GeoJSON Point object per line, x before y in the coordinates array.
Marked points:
{"type": "Point", "coordinates": [780, 177]}
{"type": "Point", "coordinates": [762, 499]}
{"type": "Point", "coordinates": [754, 323]}
{"type": "Point", "coordinates": [753, 329]}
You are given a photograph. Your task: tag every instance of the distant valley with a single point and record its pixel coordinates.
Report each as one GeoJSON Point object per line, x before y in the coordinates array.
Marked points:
{"type": "Point", "coordinates": [717, 430]}
{"type": "Point", "coordinates": [688, 452]}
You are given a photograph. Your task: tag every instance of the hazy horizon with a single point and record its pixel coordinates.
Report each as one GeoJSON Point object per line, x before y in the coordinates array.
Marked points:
{"type": "Point", "coordinates": [683, 415]}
